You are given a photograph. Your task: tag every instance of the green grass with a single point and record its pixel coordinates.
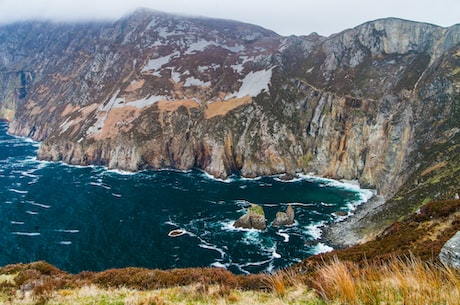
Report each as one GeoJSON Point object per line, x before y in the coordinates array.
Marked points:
{"type": "Point", "coordinates": [256, 209]}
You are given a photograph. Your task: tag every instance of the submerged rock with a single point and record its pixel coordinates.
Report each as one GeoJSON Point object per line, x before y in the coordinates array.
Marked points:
{"type": "Point", "coordinates": [450, 253]}
{"type": "Point", "coordinates": [253, 219]}
{"type": "Point", "coordinates": [285, 218]}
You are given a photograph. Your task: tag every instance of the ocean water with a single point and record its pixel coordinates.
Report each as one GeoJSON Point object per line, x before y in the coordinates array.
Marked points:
{"type": "Point", "coordinates": [91, 218]}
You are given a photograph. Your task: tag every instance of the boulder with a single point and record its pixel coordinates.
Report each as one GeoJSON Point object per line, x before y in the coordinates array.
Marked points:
{"type": "Point", "coordinates": [285, 218]}
{"type": "Point", "coordinates": [450, 253]}
{"type": "Point", "coordinates": [253, 219]}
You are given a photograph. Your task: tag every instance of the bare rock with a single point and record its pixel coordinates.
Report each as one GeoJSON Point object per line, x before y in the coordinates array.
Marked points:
{"type": "Point", "coordinates": [450, 253]}
{"type": "Point", "coordinates": [285, 218]}
{"type": "Point", "coordinates": [253, 219]}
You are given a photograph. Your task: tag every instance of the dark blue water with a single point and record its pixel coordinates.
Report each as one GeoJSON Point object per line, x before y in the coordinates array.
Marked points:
{"type": "Point", "coordinates": [91, 218]}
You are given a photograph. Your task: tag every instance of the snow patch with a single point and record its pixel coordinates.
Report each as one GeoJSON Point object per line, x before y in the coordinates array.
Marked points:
{"type": "Point", "coordinates": [253, 84]}
{"type": "Point", "coordinates": [192, 81]}
{"type": "Point", "coordinates": [199, 46]}
{"type": "Point", "coordinates": [158, 63]}
{"type": "Point", "coordinates": [176, 77]}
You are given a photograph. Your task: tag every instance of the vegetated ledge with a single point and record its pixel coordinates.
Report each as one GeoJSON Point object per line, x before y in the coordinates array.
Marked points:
{"type": "Point", "coordinates": [421, 236]}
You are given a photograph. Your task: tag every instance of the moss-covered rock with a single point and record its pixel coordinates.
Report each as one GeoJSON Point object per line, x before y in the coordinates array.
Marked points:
{"type": "Point", "coordinates": [253, 219]}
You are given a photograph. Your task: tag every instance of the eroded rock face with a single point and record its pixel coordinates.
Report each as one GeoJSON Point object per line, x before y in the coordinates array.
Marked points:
{"type": "Point", "coordinates": [285, 218]}
{"type": "Point", "coordinates": [253, 219]}
{"type": "Point", "coordinates": [155, 90]}
{"type": "Point", "coordinates": [450, 253]}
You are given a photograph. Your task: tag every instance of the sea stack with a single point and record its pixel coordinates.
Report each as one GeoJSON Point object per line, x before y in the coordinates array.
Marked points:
{"type": "Point", "coordinates": [284, 218]}
{"type": "Point", "coordinates": [253, 219]}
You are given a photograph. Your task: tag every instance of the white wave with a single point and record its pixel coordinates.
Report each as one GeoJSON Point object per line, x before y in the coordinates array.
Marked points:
{"type": "Point", "coordinates": [26, 233]}
{"type": "Point", "coordinates": [252, 237]}
{"type": "Point", "coordinates": [65, 242]}
{"type": "Point", "coordinates": [298, 179]}
{"type": "Point", "coordinates": [260, 263]}
{"type": "Point", "coordinates": [28, 174]}
{"type": "Point", "coordinates": [18, 191]}
{"type": "Point", "coordinates": [214, 248]}
{"type": "Point", "coordinates": [314, 230]}
{"type": "Point", "coordinates": [17, 222]}
{"type": "Point", "coordinates": [169, 222]}
{"type": "Point", "coordinates": [321, 248]}
{"type": "Point", "coordinates": [219, 265]}
{"type": "Point", "coordinates": [32, 212]}
{"type": "Point", "coordinates": [72, 231]}
{"type": "Point", "coordinates": [300, 204]}
{"type": "Point", "coordinates": [284, 235]}
{"type": "Point", "coordinates": [100, 184]}
{"type": "Point", "coordinates": [276, 254]}
{"type": "Point", "coordinates": [211, 177]}
{"type": "Point", "coordinates": [116, 195]}
{"type": "Point", "coordinates": [228, 226]}
{"type": "Point", "coordinates": [44, 206]}
{"type": "Point", "coordinates": [120, 172]}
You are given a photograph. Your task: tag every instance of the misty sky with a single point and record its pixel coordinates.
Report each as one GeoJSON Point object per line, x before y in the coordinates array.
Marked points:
{"type": "Point", "coordinates": [285, 17]}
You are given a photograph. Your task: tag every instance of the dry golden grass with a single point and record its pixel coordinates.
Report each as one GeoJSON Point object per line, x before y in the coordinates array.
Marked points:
{"type": "Point", "coordinates": [223, 107]}
{"type": "Point", "coordinates": [407, 281]}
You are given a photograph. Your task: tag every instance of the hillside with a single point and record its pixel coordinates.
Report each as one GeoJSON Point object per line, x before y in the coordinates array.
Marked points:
{"type": "Point", "coordinates": [379, 103]}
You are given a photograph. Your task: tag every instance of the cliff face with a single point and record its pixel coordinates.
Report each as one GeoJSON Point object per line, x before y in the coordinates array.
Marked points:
{"type": "Point", "coordinates": [155, 90]}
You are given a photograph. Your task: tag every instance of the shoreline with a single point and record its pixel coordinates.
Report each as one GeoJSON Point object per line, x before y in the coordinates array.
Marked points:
{"type": "Point", "coordinates": [346, 233]}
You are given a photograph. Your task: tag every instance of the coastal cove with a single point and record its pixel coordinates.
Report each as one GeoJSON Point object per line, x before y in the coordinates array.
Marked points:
{"type": "Point", "coordinates": [91, 218]}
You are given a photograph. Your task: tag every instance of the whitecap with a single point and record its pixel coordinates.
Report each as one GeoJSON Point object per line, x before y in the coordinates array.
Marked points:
{"type": "Point", "coordinates": [300, 204]}
{"type": "Point", "coordinates": [44, 206]}
{"type": "Point", "coordinates": [71, 231]}
{"type": "Point", "coordinates": [314, 230]}
{"type": "Point", "coordinates": [17, 222]}
{"type": "Point", "coordinates": [213, 178]}
{"type": "Point", "coordinates": [321, 248]}
{"type": "Point", "coordinates": [284, 235]}
{"type": "Point", "coordinates": [26, 233]}
{"type": "Point", "coordinates": [116, 195]}
{"type": "Point", "coordinates": [31, 212]}
{"type": "Point", "coordinates": [214, 248]}
{"type": "Point", "coordinates": [276, 254]}
{"type": "Point", "coordinates": [260, 263]}
{"type": "Point", "coordinates": [100, 184]}
{"type": "Point", "coordinates": [120, 172]}
{"type": "Point", "coordinates": [169, 222]}
{"type": "Point", "coordinates": [219, 265]}
{"type": "Point", "coordinates": [65, 242]}
{"type": "Point", "coordinates": [18, 191]}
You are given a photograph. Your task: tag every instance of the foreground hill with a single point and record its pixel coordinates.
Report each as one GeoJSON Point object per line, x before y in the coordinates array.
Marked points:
{"type": "Point", "coordinates": [401, 266]}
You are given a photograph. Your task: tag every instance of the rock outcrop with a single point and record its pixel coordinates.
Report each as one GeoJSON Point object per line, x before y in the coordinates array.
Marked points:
{"type": "Point", "coordinates": [285, 218]}
{"type": "Point", "coordinates": [450, 253]}
{"type": "Point", "coordinates": [253, 219]}
{"type": "Point", "coordinates": [154, 90]}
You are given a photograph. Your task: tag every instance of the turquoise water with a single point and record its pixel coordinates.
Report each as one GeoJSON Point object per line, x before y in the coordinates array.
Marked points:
{"type": "Point", "coordinates": [91, 218]}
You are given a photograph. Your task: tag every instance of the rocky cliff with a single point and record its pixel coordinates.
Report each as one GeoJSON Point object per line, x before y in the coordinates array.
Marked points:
{"type": "Point", "coordinates": [160, 91]}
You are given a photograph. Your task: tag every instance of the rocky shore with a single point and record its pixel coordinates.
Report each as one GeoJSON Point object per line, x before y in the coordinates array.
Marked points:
{"type": "Point", "coordinates": [351, 231]}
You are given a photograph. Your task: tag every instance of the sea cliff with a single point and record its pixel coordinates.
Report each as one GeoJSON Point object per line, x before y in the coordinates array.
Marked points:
{"type": "Point", "coordinates": [154, 90]}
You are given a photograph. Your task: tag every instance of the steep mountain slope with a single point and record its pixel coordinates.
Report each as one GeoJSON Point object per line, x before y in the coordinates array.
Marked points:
{"type": "Point", "coordinates": [155, 90]}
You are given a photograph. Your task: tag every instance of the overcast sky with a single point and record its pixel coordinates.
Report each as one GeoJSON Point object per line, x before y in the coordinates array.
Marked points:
{"type": "Point", "coordinates": [285, 17]}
